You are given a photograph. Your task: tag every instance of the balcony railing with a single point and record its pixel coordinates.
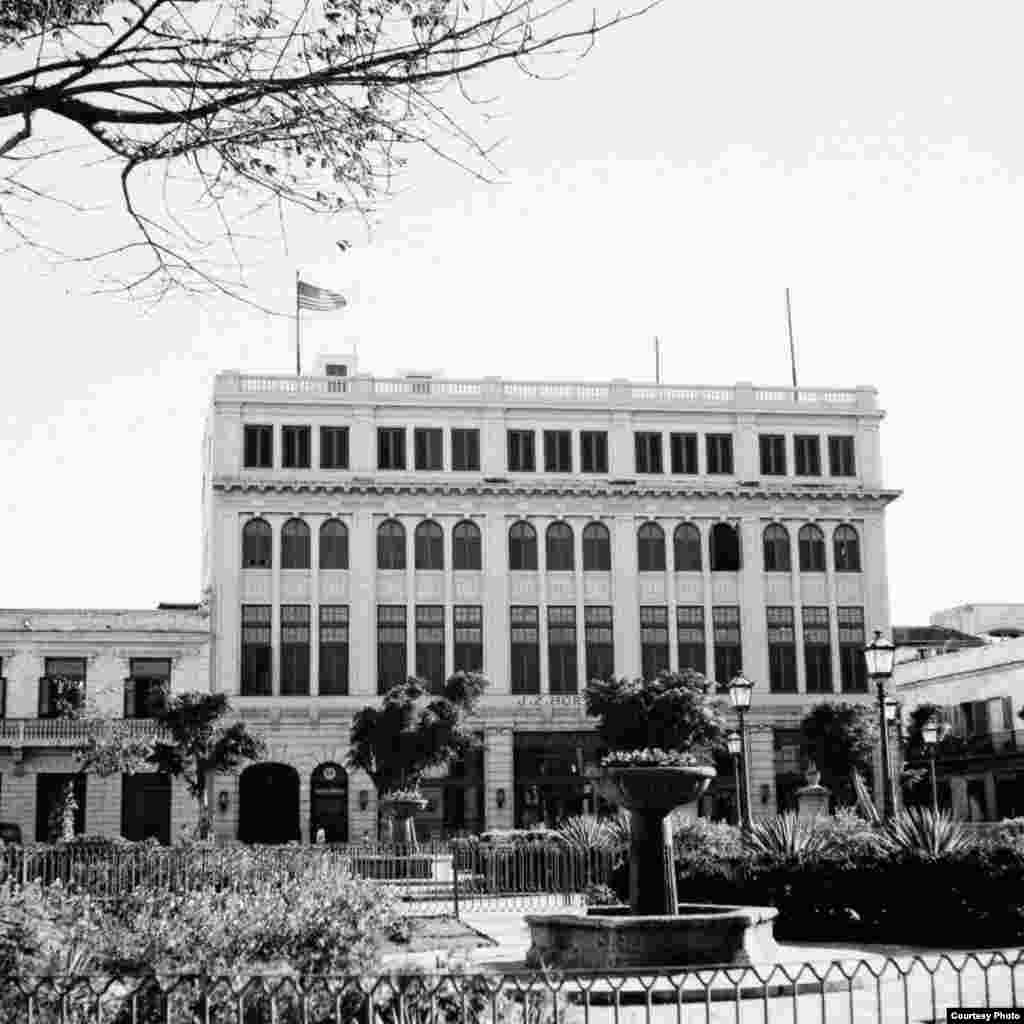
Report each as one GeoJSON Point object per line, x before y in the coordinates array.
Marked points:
{"type": "Point", "coordinates": [60, 732]}
{"type": "Point", "coordinates": [978, 744]}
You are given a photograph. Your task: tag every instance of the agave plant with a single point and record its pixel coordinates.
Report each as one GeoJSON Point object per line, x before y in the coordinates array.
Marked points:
{"type": "Point", "coordinates": [783, 836]}
{"type": "Point", "coordinates": [585, 832]}
{"type": "Point", "coordinates": [620, 828]}
{"type": "Point", "coordinates": [865, 805]}
{"type": "Point", "coordinates": [923, 833]}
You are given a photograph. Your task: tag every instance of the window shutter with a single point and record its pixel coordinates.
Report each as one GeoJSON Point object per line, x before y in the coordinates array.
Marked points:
{"type": "Point", "coordinates": [129, 697]}
{"type": "Point", "coordinates": [45, 691]}
{"type": "Point", "coordinates": [1008, 714]}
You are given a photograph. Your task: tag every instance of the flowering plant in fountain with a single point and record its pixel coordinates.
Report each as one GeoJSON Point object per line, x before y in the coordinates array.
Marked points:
{"type": "Point", "coordinates": [649, 757]}
{"type": "Point", "coordinates": [403, 794]}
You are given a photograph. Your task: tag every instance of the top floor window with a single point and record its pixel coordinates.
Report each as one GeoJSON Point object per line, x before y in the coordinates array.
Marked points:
{"type": "Point", "coordinates": [465, 450]}
{"type": "Point", "coordinates": [391, 448]}
{"type": "Point", "coordinates": [522, 547]}
{"type": "Point", "coordinates": [847, 549]}
{"type": "Point", "coordinates": [840, 457]}
{"type": "Point", "coordinates": [811, 542]}
{"type": "Point", "coordinates": [259, 446]}
{"type": "Point", "coordinates": [334, 545]}
{"type": "Point", "coordinates": [147, 687]}
{"type": "Point", "coordinates": [684, 453]}
{"type": "Point", "coordinates": [719, 453]}
{"type": "Point", "coordinates": [466, 553]}
{"type": "Point", "coordinates": [560, 556]}
{"type": "Point", "coordinates": [687, 548]}
{"type": "Point", "coordinates": [429, 445]}
{"type": "Point", "coordinates": [62, 688]}
{"type": "Point", "coordinates": [295, 545]}
{"type": "Point", "coordinates": [391, 545]}
{"type": "Point", "coordinates": [725, 548]}
{"type": "Point", "coordinates": [257, 544]}
{"type": "Point", "coordinates": [807, 449]}
{"type": "Point", "coordinates": [429, 544]}
{"type": "Point", "coordinates": [648, 452]}
{"type": "Point", "coordinates": [334, 447]}
{"type": "Point", "coordinates": [773, 455]}
{"type": "Point", "coordinates": [521, 456]}
{"type": "Point", "coordinates": [557, 451]}
{"type": "Point", "coordinates": [295, 447]}
{"type": "Point", "coordinates": [597, 550]}
{"type": "Point", "coordinates": [650, 540]}
{"type": "Point", "coordinates": [593, 451]}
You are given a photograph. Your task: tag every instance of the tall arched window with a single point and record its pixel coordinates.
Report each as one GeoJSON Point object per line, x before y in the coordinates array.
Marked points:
{"type": "Point", "coordinates": [846, 545]}
{"type": "Point", "coordinates": [466, 547]}
{"type": "Point", "coordinates": [257, 545]}
{"type": "Point", "coordinates": [559, 548]}
{"type": "Point", "coordinates": [429, 544]}
{"type": "Point", "coordinates": [597, 548]}
{"type": "Point", "coordinates": [391, 545]}
{"type": "Point", "coordinates": [522, 547]}
{"type": "Point", "coordinates": [650, 548]}
{"type": "Point", "coordinates": [687, 548]}
{"type": "Point", "coordinates": [725, 548]}
{"type": "Point", "coordinates": [295, 545]}
{"type": "Point", "coordinates": [334, 545]}
{"type": "Point", "coordinates": [812, 548]}
{"type": "Point", "coordinates": [776, 549]}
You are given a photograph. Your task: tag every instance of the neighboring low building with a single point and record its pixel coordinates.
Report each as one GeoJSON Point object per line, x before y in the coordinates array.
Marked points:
{"type": "Point", "coordinates": [914, 643]}
{"type": "Point", "coordinates": [123, 661]}
{"type": "Point", "coordinates": [997, 620]}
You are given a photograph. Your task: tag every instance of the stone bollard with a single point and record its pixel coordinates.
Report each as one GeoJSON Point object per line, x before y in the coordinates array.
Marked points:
{"type": "Point", "coordinates": [812, 799]}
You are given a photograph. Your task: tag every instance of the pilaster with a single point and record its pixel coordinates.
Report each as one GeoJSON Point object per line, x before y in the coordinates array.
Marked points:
{"type": "Point", "coordinates": [762, 772]}
{"type": "Point", "coordinates": [626, 585]}
{"type": "Point", "coordinates": [753, 621]}
{"type": "Point", "coordinates": [498, 774]}
{"type": "Point", "coordinates": [363, 605]}
{"type": "Point", "coordinates": [497, 643]}
{"type": "Point", "coordinates": [276, 524]}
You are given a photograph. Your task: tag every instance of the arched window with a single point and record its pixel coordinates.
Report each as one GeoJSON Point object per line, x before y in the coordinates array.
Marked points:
{"type": "Point", "coordinates": [295, 545]}
{"type": "Point", "coordinates": [776, 549]}
{"type": "Point", "coordinates": [725, 548]}
{"type": "Point", "coordinates": [812, 549]}
{"type": "Point", "coordinates": [257, 546]}
{"type": "Point", "coordinates": [429, 544]}
{"type": "Point", "coordinates": [334, 545]}
{"type": "Point", "coordinates": [687, 545]}
{"type": "Point", "coordinates": [466, 546]}
{"type": "Point", "coordinates": [522, 547]}
{"type": "Point", "coordinates": [559, 548]}
{"type": "Point", "coordinates": [847, 549]}
{"type": "Point", "coordinates": [597, 548]}
{"type": "Point", "coordinates": [391, 545]}
{"type": "Point", "coordinates": [650, 548]}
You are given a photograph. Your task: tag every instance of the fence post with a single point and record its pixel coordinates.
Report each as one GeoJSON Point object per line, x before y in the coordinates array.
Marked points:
{"type": "Point", "coordinates": [455, 881]}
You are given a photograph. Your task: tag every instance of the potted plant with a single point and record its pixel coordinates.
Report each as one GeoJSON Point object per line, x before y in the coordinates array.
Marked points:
{"type": "Point", "coordinates": [411, 732]}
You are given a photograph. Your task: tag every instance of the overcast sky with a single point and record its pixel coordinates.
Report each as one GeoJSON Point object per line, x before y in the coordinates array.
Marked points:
{"type": "Point", "coordinates": [698, 162]}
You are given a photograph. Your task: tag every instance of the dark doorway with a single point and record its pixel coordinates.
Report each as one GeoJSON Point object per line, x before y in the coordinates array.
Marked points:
{"type": "Point", "coordinates": [328, 803]}
{"type": "Point", "coordinates": [268, 804]}
{"type": "Point", "coordinates": [146, 807]}
{"type": "Point", "coordinates": [49, 787]}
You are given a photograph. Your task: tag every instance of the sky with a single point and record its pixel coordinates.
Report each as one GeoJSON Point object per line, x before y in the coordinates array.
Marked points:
{"type": "Point", "coordinates": [702, 159]}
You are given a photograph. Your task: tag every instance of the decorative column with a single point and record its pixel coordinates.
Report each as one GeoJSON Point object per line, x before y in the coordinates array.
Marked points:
{"type": "Point", "coordinates": [305, 776]}
{"type": "Point", "coordinates": [362, 605]}
{"type": "Point", "coordinates": [498, 774]}
{"type": "Point", "coordinates": [581, 626]}
{"type": "Point", "coordinates": [495, 601]}
{"type": "Point", "coordinates": [833, 614]}
{"type": "Point", "coordinates": [541, 526]}
{"type": "Point", "coordinates": [753, 617]}
{"type": "Point", "coordinates": [762, 771]}
{"type": "Point", "coordinates": [315, 522]}
{"type": "Point", "coordinates": [626, 587]}
{"type": "Point", "coordinates": [276, 523]}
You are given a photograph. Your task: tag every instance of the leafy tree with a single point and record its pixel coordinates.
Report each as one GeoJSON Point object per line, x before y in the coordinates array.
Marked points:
{"type": "Point", "coordinates": [841, 739]}
{"type": "Point", "coordinates": [243, 107]}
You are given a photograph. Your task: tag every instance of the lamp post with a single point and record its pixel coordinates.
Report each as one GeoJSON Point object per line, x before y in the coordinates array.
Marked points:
{"type": "Point", "coordinates": [930, 735]}
{"type": "Point", "coordinates": [735, 744]}
{"type": "Point", "coordinates": [739, 694]}
{"type": "Point", "coordinates": [880, 655]}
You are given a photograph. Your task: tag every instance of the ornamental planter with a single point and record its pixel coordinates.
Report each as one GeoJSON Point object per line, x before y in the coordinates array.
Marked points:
{"type": "Point", "coordinates": [403, 811]}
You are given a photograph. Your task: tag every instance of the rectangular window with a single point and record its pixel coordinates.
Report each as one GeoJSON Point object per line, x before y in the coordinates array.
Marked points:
{"type": "Point", "coordinates": [295, 641]}
{"type": "Point", "coordinates": [390, 448]}
{"type": "Point", "coordinates": [295, 447]}
{"type": "Point", "coordinates": [600, 642]}
{"type": "Point", "coordinates": [684, 453]}
{"type": "Point", "coordinates": [593, 451]}
{"type": "Point", "coordinates": [147, 686]}
{"type": "Point", "coordinates": [562, 673]}
{"type": "Point", "coordinates": [648, 452]}
{"type": "Point", "coordinates": [725, 625]}
{"type": "Point", "coordinates": [469, 638]}
{"type": "Point", "coordinates": [334, 447]}
{"type": "Point", "coordinates": [840, 457]}
{"type": "Point", "coordinates": [50, 787]}
{"type": "Point", "coordinates": [692, 647]}
{"type": "Point", "coordinates": [521, 457]}
{"type": "Point", "coordinates": [773, 455]}
{"type": "Point", "coordinates": [430, 645]}
{"type": "Point", "coordinates": [465, 451]}
{"type": "Point", "coordinates": [653, 640]}
{"type": "Point", "coordinates": [852, 668]}
{"type": "Point", "coordinates": [429, 445]}
{"type": "Point", "coordinates": [781, 651]}
{"type": "Point", "coordinates": [817, 650]}
{"type": "Point", "coordinates": [525, 649]}
{"type": "Point", "coordinates": [719, 453]}
{"type": "Point", "coordinates": [256, 656]}
{"type": "Point", "coordinates": [391, 654]}
{"type": "Point", "coordinates": [334, 640]}
{"type": "Point", "coordinates": [557, 451]}
{"type": "Point", "coordinates": [62, 688]}
{"type": "Point", "coordinates": [259, 447]}
{"type": "Point", "coordinates": [807, 449]}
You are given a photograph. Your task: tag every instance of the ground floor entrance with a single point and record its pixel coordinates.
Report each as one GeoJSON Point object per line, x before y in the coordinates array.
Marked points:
{"type": "Point", "coordinates": [268, 804]}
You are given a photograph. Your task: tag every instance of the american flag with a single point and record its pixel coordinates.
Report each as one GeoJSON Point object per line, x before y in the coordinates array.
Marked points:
{"type": "Point", "coordinates": [320, 300]}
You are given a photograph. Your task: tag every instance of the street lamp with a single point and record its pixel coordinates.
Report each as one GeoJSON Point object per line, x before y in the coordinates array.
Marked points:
{"type": "Point", "coordinates": [880, 655]}
{"type": "Point", "coordinates": [930, 735]}
{"type": "Point", "coordinates": [739, 694]}
{"type": "Point", "coordinates": [735, 744]}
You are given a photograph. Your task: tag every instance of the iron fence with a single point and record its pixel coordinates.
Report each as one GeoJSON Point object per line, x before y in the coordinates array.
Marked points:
{"type": "Point", "coordinates": [858, 990]}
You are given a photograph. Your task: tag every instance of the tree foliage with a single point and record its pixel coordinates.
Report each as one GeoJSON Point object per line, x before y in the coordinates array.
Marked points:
{"type": "Point", "coordinates": [412, 731]}
{"type": "Point", "coordinates": [841, 739]}
{"type": "Point", "coordinates": [255, 105]}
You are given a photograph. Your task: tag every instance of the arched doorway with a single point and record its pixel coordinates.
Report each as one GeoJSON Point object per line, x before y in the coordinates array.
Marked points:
{"type": "Point", "coordinates": [328, 803]}
{"type": "Point", "coordinates": [268, 804]}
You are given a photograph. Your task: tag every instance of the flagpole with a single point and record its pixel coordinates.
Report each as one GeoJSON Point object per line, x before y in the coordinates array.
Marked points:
{"type": "Point", "coordinates": [792, 350]}
{"type": "Point", "coordinates": [298, 330]}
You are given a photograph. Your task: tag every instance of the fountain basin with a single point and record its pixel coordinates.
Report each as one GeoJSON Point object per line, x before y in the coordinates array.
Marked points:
{"type": "Point", "coordinates": [614, 937]}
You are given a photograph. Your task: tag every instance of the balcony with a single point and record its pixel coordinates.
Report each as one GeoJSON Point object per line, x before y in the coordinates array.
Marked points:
{"type": "Point", "coordinates": [65, 732]}
{"type": "Point", "coordinates": [979, 744]}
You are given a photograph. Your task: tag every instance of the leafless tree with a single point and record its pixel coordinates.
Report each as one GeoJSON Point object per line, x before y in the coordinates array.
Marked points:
{"type": "Point", "coordinates": [244, 109]}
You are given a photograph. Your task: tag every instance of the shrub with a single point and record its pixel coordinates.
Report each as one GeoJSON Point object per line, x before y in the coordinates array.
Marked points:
{"type": "Point", "coordinates": [600, 896]}
{"type": "Point", "coordinates": [923, 833]}
{"type": "Point", "coordinates": [783, 836]}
